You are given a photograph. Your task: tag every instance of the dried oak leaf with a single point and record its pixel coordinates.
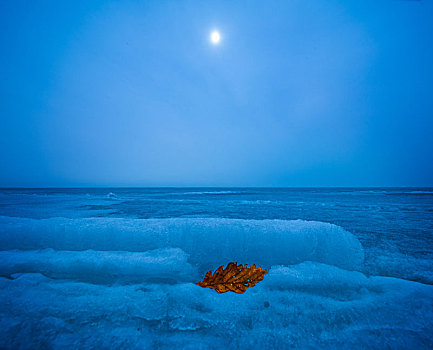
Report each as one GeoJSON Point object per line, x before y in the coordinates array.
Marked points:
{"type": "Point", "coordinates": [234, 278]}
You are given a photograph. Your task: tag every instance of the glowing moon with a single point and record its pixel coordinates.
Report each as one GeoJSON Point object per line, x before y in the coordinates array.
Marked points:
{"type": "Point", "coordinates": [215, 37]}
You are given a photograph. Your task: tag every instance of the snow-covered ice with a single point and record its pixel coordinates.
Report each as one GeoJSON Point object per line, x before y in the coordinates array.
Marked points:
{"type": "Point", "coordinates": [169, 265]}
{"type": "Point", "coordinates": [208, 241]}
{"type": "Point", "coordinates": [306, 305]}
{"type": "Point", "coordinates": [128, 283]}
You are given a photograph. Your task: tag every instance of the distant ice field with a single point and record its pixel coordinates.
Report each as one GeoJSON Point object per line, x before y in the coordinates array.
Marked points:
{"type": "Point", "coordinates": [116, 268]}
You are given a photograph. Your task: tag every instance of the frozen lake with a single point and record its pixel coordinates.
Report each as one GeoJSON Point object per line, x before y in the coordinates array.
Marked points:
{"type": "Point", "coordinates": [116, 268]}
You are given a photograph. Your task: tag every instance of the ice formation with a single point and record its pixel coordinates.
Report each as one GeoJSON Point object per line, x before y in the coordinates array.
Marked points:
{"type": "Point", "coordinates": [209, 242]}
{"type": "Point", "coordinates": [164, 265]}
{"type": "Point", "coordinates": [124, 283]}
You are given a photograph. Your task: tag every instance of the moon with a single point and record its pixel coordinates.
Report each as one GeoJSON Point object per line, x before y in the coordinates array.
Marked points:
{"type": "Point", "coordinates": [215, 37]}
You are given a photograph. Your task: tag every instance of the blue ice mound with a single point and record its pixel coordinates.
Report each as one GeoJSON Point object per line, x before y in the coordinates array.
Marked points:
{"type": "Point", "coordinates": [209, 242]}
{"type": "Point", "coordinates": [125, 283]}
{"type": "Point", "coordinates": [101, 267]}
{"type": "Point", "coordinates": [293, 307]}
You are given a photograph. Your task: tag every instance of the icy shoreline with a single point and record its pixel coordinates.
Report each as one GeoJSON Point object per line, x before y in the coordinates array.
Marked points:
{"type": "Point", "coordinates": [124, 283]}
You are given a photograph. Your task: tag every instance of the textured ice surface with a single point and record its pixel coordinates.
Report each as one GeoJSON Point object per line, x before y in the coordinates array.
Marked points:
{"type": "Point", "coordinates": [105, 283]}
{"type": "Point", "coordinates": [209, 241]}
{"type": "Point", "coordinates": [297, 306]}
{"type": "Point", "coordinates": [169, 265]}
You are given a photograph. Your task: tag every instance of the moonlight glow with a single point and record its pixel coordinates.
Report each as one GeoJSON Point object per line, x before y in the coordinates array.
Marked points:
{"type": "Point", "coordinates": [215, 37]}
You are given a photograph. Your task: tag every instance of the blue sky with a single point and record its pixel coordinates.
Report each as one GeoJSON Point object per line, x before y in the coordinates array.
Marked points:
{"type": "Point", "coordinates": [298, 93]}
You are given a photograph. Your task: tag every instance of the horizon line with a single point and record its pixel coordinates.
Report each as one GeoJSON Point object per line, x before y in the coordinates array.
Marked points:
{"type": "Point", "coordinates": [261, 187]}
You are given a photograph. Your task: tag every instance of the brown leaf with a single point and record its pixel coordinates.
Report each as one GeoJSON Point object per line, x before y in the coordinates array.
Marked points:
{"type": "Point", "coordinates": [235, 278]}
